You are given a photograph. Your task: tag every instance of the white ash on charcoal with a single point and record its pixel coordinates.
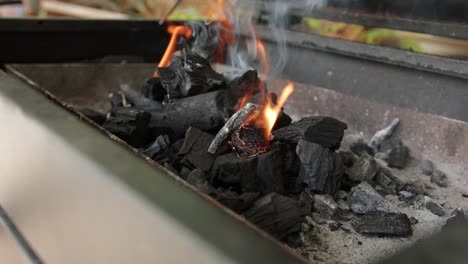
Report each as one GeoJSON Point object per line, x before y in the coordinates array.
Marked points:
{"type": "Point", "coordinates": [383, 224]}
{"type": "Point", "coordinates": [357, 144]}
{"type": "Point", "coordinates": [325, 205]}
{"type": "Point", "coordinates": [383, 134]}
{"type": "Point", "coordinates": [363, 199]}
{"type": "Point", "coordinates": [394, 153]}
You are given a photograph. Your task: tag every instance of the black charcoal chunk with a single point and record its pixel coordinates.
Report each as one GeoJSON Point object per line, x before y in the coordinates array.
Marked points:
{"type": "Point", "coordinates": [199, 180]}
{"type": "Point", "coordinates": [242, 83]}
{"type": "Point", "coordinates": [383, 224]}
{"type": "Point", "coordinates": [325, 131]}
{"type": "Point", "coordinates": [195, 149]}
{"type": "Point", "coordinates": [360, 148]}
{"type": "Point", "coordinates": [152, 89]}
{"type": "Point", "coordinates": [277, 214]}
{"type": "Point", "coordinates": [237, 203]}
{"type": "Point", "coordinates": [283, 120]}
{"type": "Point", "coordinates": [319, 167]}
{"type": "Point", "coordinates": [432, 206]}
{"type": "Point", "coordinates": [98, 117]}
{"type": "Point", "coordinates": [139, 101]}
{"type": "Point", "coordinates": [363, 198]}
{"type": "Point", "coordinates": [325, 205]}
{"type": "Point", "coordinates": [396, 154]}
{"type": "Point", "coordinates": [158, 146]}
{"type": "Point", "coordinates": [364, 169]}
{"type": "Point", "coordinates": [427, 167]}
{"type": "Point", "coordinates": [440, 178]}
{"type": "Point", "coordinates": [170, 80]}
{"type": "Point", "coordinates": [389, 179]}
{"type": "Point", "coordinates": [457, 217]}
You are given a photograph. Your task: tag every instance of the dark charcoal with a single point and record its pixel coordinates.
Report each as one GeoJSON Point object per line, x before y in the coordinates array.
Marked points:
{"type": "Point", "coordinates": [283, 120]}
{"type": "Point", "coordinates": [364, 169]}
{"type": "Point", "coordinates": [152, 89]}
{"type": "Point", "coordinates": [139, 101]}
{"type": "Point", "coordinates": [161, 143]}
{"type": "Point", "coordinates": [321, 168]}
{"type": "Point", "coordinates": [360, 148]}
{"type": "Point", "coordinates": [383, 224]}
{"type": "Point", "coordinates": [389, 180]}
{"type": "Point", "coordinates": [364, 199]}
{"type": "Point", "coordinates": [325, 205]}
{"type": "Point", "coordinates": [432, 206]}
{"type": "Point", "coordinates": [242, 83]}
{"type": "Point", "coordinates": [278, 215]}
{"type": "Point", "coordinates": [234, 201]}
{"type": "Point", "coordinates": [189, 75]}
{"type": "Point", "coordinates": [265, 173]}
{"type": "Point", "coordinates": [457, 217]}
{"type": "Point", "coordinates": [97, 117]}
{"type": "Point", "coordinates": [440, 178]}
{"type": "Point", "coordinates": [199, 180]}
{"type": "Point", "coordinates": [325, 131]}
{"type": "Point", "coordinates": [427, 167]}
{"type": "Point", "coordinates": [396, 154]}
{"type": "Point", "coordinates": [131, 125]}
{"type": "Point", "coordinates": [195, 149]}
{"type": "Point", "coordinates": [200, 111]}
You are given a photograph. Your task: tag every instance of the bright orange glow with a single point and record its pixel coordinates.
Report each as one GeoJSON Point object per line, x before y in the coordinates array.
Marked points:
{"type": "Point", "coordinates": [176, 32]}
{"type": "Point", "coordinates": [271, 112]}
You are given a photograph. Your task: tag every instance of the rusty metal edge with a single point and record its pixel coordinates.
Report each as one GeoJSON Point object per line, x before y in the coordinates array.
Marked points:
{"type": "Point", "coordinates": [155, 164]}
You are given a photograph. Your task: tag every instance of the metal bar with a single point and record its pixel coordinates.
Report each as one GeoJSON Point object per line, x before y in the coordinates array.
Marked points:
{"type": "Point", "coordinates": [14, 232]}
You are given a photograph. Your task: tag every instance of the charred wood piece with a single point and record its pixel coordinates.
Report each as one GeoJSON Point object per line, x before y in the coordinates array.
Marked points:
{"type": "Point", "coordinates": [232, 124]}
{"type": "Point", "coordinates": [152, 89]}
{"type": "Point", "coordinates": [138, 100]}
{"type": "Point", "coordinates": [158, 146]}
{"type": "Point", "coordinates": [277, 214]}
{"type": "Point", "coordinates": [383, 224]}
{"type": "Point", "coordinates": [325, 131]}
{"type": "Point", "coordinates": [249, 140]}
{"type": "Point", "coordinates": [194, 149]}
{"type": "Point", "coordinates": [239, 203]}
{"type": "Point", "coordinates": [189, 75]}
{"type": "Point", "coordinates": [383, 134]}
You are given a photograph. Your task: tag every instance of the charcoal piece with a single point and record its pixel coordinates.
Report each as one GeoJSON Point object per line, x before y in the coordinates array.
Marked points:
{"type": "Point", "coordinates": [356, 143]}
{"type": "Point", "coordinates": [456, 218]}
{"type": "Point", "coordinates": [184, 171]}
{"type": "Point", "coordinates": [414, 220]}
{"type": "Point", "coordinates": [118, 100]}
{"type": "Point", "coordinates": [98, 117]}
{"type": "Point", "coordinates": [363, 198]}
{"type": "Point", "coordinates": [432, 206]}
{"type": "Point", "coordinates": [237, 203]}
{"type": "Point", "coordinates": [395, 153]}
{"type": "Point", "coordinates": [200, 111]}
{"type": "Point", "coordinates": [152, 89]}
{"type": "Point", "coordinates": [131, 125]}
{"type": "Point", "coordinates": [341, 195]}
{"type": "Point", "coordinates": [318, 167]}
{"type": "Point", "coordinates": [389, 179]}
{"type": "Point", "coordinates": [348, 157]}
{"type": "Point", "coordinates": [440, 178]}
{"type": "Point", "coordinates": [360, 148]}
{"type": "Point", "coordinates": [383, 224]}
{"type": "Point", "coordinates": [189, 75]}
{"type": "Point", "coordinates": [242, 83]}
{"type": "Point", "coordinates": [263, 173]}
{"type": "Point", "coordinates": [325, 205]}
{"type": "Point", "coordinates": [249, 140]}
{"type": "Point", "coordinates": [235, 121]}
{"type": "Point", "coordinates": [427, 167]}
{"type": "Point", "coordinates": [195, 149]}
{"type": "Point", "coordinates": [277, 214]}
{"type": "Point", "coordinates": [406, 196]}
{"type": "Point", "coordinates": [158, 146]}
{"type": "Point", "coordinates": [283, 120]}
{"type": "Point", "coordinates": [343, 205]}
{"type": "Point", "coordinates": [199, 180]}
{"type": "Point", "coordinates": [325, 131]}
{"type": "Point", "coordinates": [139, 101]}
{"type": "Point", "coordinates": [383, 134]}
{"type": "Point", "coordinates": [364, 169]}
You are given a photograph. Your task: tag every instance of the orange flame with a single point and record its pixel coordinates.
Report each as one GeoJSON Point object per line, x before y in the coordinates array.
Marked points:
{"type": "Point", "coordinates": [176, 32]}
{"type": "Point", "coordinates": [270, 112]}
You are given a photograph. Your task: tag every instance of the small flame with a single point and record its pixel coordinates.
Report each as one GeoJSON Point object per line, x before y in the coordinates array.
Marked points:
{"type": "Point", "coordinates": [176, 32]}
{"type": "Point", "coordinates": [270, 112]}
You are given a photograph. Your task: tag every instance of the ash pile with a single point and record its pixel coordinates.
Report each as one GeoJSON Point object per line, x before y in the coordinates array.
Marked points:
{"type": "Point", "coordinates": [228, 137]}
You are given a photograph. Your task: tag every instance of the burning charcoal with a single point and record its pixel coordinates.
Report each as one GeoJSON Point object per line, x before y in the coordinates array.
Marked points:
{"type": "Point", "coordinates": [456, 217]}
{"type": "Point", "coordinates": [237, 203]}
{"type": "Point", "coordinates": [98, 117]}
{"type": "Point", "coordinates": [383, 224]}
{"type": "Point", "coordinates": [278, 215]}
{"type": "Point", "coordinates": [131, 125]}
{"type": "Point", "coordinates": [383, 134]}
{"type": "Point", "coordinates": [199, 180]}
{"type": "Point", "coordinates": [363, 199]}
{"type": "Point", "coordinates": [249, 140]}
{"type": "Point", "coordinates": [195, 149]}
{"type": "Point", "coordinates": [242, 83]}
{"type": "Point", "coordinates": [440, 178]}
{"type": "Point", "coordinates": [433, 206]}
{"type": "Point", "coordinates": [232, 124]}
{"type": "Point", "coordinates": [200, 111]}
{"type": "Point", "coordinates": [427, 167]}
{"type": "Point", "coordinates": [395, 153]}
{"type": "Point", "coordinates": [152, 89]}
{"type": "Point", "coordinates": [161, 143]}
{"type": "Point", "coordinates": [325, 131]}
{"type": "Point", "coordinates": [364, 169]}
{"type": "Point", "coordinates": [283, 120]}
{"type": "Point", "coordinates": [325, 205]}
{"type": "Point", "coordinates": [319, 167]}
{"type": "Point", "coordinates": [139, 101]}
{"type": "Point", "coordinates": [189, 75]}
